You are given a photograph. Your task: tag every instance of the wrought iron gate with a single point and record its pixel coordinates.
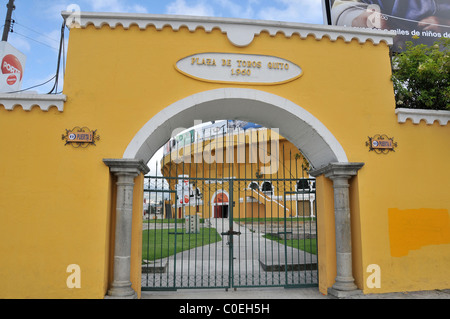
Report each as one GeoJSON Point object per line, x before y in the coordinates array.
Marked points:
{"type": "Point", "coordinates": [229, 233]}
{"type": "Point", "coordinates": [229, 223]}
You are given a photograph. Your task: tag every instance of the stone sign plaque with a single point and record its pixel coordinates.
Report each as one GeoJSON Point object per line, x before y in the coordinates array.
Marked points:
{"type": "Point", "coordinates": [239, 68]}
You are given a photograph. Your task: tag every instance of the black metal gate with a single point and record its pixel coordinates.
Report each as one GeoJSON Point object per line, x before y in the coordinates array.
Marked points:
{"type": "Point", "coordinates": [229, 223]}
{"type": "Point", "coordinates": [245, 238]}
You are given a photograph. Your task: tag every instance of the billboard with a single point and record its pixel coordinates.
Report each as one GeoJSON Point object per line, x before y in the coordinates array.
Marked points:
{"type": "Point", "coordinates": [12, 67]}
{"type": "Point", "coordinates": [419, 21]}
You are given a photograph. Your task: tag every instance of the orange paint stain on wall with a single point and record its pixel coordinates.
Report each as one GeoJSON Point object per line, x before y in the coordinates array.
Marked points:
{"type": "Point", "coordinates": [411, 229]}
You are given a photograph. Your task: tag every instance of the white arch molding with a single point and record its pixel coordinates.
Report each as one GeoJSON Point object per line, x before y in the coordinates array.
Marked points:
{"type": "Point", "coordinates": [296, 124]}
{"type": "Point", "coordinates": [316, 142]}
{"type": "Point", "coordinates": [213, 199]}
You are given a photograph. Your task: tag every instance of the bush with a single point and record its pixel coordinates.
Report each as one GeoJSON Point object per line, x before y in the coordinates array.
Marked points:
{"type": "Point", "coordinates": [421, 76]}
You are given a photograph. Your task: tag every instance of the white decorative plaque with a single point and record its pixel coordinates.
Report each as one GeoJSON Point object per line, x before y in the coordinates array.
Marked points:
{"type": "Point", "coordinates": [239, 68]}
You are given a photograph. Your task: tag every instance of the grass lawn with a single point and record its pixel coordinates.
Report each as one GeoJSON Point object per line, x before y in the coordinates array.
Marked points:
{"type": "Point", "coordinates": [273, 219]}
{"type": "Point", "coordinates": [157, 243]}
{"type": "Point", "coordinates": [169, 221]}
{"type": "Point", "coordinates": [308, 245]}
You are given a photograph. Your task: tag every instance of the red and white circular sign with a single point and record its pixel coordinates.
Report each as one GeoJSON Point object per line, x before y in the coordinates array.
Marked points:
{"type": "Point", "coordinates": [12, 65]}
{"type": "Point", "coordinates": [11, 80]}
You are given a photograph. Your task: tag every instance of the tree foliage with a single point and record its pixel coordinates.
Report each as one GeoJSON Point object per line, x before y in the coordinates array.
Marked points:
{"type": "Point", "coordinates": [421, 76]}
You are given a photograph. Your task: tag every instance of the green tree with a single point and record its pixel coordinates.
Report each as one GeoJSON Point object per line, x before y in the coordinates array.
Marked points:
{"type": "Point", "coordinates": [421, 76]}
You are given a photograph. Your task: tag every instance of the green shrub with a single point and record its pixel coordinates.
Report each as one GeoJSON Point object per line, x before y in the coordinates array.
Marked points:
{"type": "Point", "coordinates": [421, 76]}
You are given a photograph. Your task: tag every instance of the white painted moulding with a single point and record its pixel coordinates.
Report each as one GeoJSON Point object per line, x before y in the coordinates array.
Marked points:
{"type": "Point", "coordinates": [299, 126]}
{"type": "Point", "coordinates": [240, 32]}
{"type": "Point", "coordinates": [429, 116]}
{"type": "Point", "coordinates": [28, 101]}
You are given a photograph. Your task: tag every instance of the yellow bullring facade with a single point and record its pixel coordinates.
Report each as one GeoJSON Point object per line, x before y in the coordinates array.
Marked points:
{"type": "Point", "coordinates": [371, 181]}
{"type": "Point", "coordinates": [263, 164]}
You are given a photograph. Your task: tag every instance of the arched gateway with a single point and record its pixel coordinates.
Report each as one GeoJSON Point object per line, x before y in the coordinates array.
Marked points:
{"type": "Point", "coordinates": [133, 79]}
{"type": "Point", "coordinates": [306, 132]}
{"type": "Point", "coordinates": [300, 127]}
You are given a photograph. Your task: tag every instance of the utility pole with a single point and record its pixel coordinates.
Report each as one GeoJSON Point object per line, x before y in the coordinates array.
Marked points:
{"type": "Point", "coordinates": [8, 20]}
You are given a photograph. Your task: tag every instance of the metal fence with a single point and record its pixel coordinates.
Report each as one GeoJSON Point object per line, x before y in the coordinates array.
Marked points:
{"type": "Point", "coordinates": [201, 232]}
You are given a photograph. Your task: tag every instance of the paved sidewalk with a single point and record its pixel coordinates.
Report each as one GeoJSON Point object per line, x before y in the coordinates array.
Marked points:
{"type": "Point", "coordinates": [281, 293]}
{"type": "Point", "coordinates": [192, 261]}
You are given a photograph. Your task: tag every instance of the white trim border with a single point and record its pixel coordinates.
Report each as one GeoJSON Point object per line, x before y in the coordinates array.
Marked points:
{"type": "Point", "coordinates": [28, 101]}
{"type": "Point", "coordinates": [240, 32]}
{"type": "Point", "coordinates": [322, 146]}
{"type": "Point", "coordinates": [417, 115]}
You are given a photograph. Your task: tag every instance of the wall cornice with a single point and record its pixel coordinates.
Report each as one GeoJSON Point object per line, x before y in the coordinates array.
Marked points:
{"type": "Point", "coordinates": [417, 115]}
{"type": "Point", "coordinates": [27, 101]}
{"type": "Point", "coordinates": [240, 32]}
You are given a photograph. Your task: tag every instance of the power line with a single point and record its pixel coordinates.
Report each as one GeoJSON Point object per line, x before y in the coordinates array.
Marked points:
{"type": "Point", "coordinates": [32, 87]}
{"type": "Point", "coordinates": [22, 35]}
{"type": "Point", "coordinates": [14, 22]}
{"type": "Point", "coordinates": [8, 28]}
{"type": "Point", "coordinates": [37, 32]}
{"type": "Point", "coordinates": [61, 47]}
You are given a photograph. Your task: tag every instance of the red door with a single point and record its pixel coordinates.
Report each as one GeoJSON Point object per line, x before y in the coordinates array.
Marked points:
{"type": "Point", "coordinates": [217, 211]}
{"type": "Point", "coordinates": [221, 198]}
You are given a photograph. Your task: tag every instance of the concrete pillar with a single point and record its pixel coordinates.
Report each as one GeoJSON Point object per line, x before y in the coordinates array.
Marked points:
{"type": "Point", "coordinates": [126, 171]}
{"type": "Point", "coordinates": [340, 173]}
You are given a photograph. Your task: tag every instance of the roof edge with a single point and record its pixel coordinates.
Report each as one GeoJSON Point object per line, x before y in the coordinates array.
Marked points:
{"type": "Point", "coordinates": [28, 100]}
{"type": "Point", "coordinates": [240, 32]}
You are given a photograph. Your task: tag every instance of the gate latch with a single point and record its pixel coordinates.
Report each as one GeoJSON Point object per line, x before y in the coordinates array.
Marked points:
{"type": "Point", "coordinates": [232, 233]}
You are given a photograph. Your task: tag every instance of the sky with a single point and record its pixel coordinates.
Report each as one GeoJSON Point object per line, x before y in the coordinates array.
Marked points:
{"type": "Point", "coordinates": [37, 24]}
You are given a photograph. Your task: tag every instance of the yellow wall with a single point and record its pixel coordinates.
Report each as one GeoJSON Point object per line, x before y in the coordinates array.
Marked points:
{"type": "Point", "coordinates": [55, 200]}
{"type": "Point", "coordinates": [326, 234]}
{"type": "Point", "coordinates": [391, 183]}
{"type": "Point", "coordinates": [54, 208]}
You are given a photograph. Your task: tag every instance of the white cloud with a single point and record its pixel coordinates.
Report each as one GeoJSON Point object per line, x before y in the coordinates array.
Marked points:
{"type": "Point", "coordinates": [20, 43]}
{"type": "Point", "coordinates": [51, 38]}
{"type": "Point", "coordinates": [116, 6]}
{"type": "Point", "coordinates": [139, 9]}
{"type": "Point", "coordinates": [200, 8]}
{"type": "Point", "coordinates": [108, 5]}
{"type": "Point", "coordinates": [241, 9]}
{"type": "Point", "coordinates": [305, 11]}
{"type": "Point", "coordinates": [53, 10]}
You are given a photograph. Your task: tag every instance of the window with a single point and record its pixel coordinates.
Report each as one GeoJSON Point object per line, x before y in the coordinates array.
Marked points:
{"type": "Point", "coordinates": [254, 185]}
{"type": "Point", "coordinates": [303, 185]}
{"type": "Point", "coordinates": [266, 187]}
{"type": "Point", "coordinates": [306, 185]}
